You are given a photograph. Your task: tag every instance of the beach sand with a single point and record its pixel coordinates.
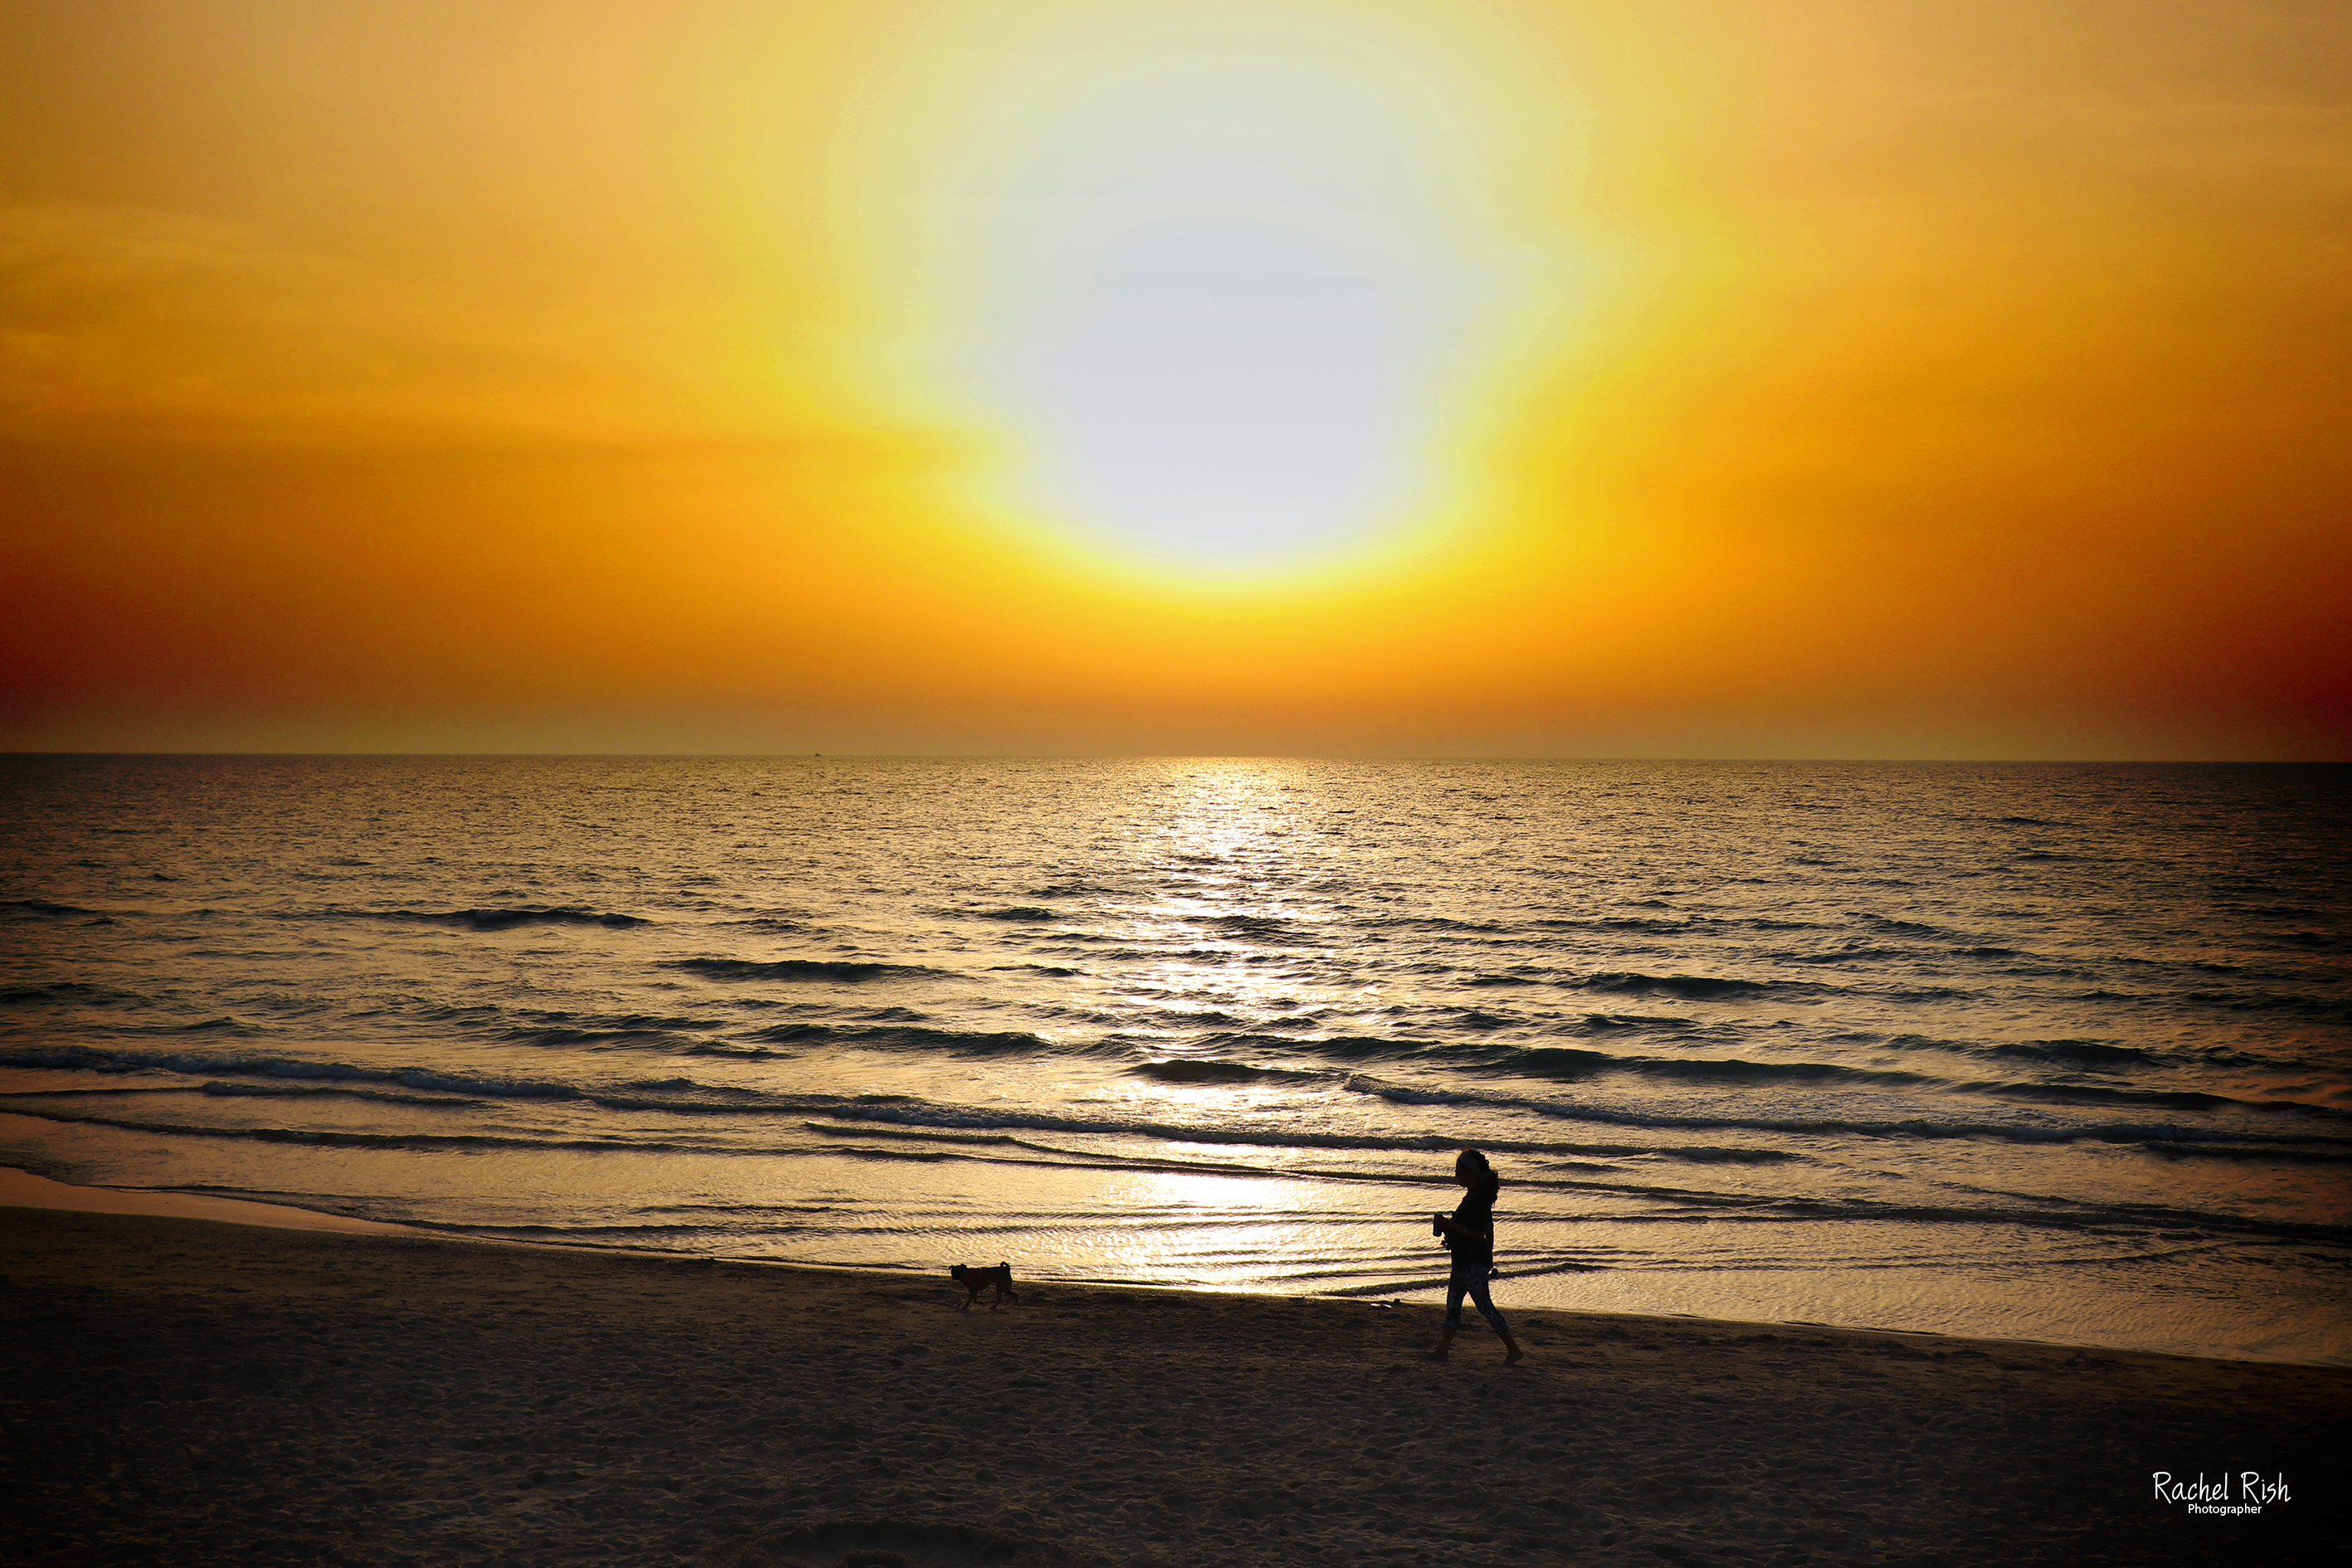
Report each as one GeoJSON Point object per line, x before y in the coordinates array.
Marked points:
{"type": "Point", "coordinates": [187, 1391]}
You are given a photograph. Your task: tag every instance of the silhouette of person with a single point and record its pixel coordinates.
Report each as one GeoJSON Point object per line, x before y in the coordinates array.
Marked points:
{"type": "Point", "coordinates": [1469, 1233]}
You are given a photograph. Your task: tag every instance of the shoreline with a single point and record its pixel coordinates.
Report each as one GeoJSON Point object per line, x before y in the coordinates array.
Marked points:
{"type": "Point", "coordinates": [20, 1188]}
{"type": "Point", "coordinates": [25, 1189]}
{"type": "Point", "coordinates": [200, 1392]}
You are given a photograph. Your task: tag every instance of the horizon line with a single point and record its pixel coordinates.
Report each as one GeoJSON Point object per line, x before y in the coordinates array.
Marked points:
{"type": "Point", "coordinates": [1249, 756]}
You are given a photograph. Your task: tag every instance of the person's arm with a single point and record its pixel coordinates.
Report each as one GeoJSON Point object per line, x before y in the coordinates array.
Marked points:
{"type": "Point", "coordinates": [1479, 1223]}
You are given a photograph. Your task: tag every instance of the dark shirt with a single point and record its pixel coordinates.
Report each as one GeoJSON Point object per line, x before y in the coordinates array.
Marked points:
{"type": "Point", "coordinates": [1471, 1237]}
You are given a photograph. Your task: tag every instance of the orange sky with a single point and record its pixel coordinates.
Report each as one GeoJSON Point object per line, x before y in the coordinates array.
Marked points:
{"type": "Point", "coordinates": [1898, 378]}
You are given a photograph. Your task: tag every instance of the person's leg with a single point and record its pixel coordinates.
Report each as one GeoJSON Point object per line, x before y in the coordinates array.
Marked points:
{"type": "Point", "coordinates": [1453, 1289]}
{"type": "Point", "coordinates": [1485, 1297]}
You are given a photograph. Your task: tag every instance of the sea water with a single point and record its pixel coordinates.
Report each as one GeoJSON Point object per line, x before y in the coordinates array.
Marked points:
{"type": "Point", "coordinates": [2040, 1052]}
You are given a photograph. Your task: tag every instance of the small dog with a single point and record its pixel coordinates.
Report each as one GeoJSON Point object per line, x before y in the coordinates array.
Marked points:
{"type": "Point", "coordinates": [976, 1279]}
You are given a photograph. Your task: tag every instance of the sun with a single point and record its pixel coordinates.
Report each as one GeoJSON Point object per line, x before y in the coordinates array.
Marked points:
{"type": "Point", "coordinates": [1214, 279]}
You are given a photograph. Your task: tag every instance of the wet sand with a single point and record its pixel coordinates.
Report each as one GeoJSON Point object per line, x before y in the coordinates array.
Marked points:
{"type": "Point", "coordinates": [186, 1391]}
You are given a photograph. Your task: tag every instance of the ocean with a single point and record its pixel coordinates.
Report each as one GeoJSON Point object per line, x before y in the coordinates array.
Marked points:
{"type": "Point", "coordinates": [2044, 1052]}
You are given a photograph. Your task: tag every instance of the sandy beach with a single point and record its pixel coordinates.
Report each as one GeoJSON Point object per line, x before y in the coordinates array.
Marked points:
{"type": "Point", "coordinates": [188, 1391]}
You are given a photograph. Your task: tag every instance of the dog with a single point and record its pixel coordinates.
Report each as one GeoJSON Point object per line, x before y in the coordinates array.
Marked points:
{"type": "Point", "coordinates": [975, 1280]}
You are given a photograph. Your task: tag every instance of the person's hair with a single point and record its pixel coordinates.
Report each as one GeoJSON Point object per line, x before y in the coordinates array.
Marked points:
{"type": "Point", "coordinates": [1484, 1172]}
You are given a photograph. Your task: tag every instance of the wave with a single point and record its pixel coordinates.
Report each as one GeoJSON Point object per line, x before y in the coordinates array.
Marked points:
{"type": "Point", "coordinates": [903, 1036]}
{"type": "Point", "coordinates": [1339, 1047]}
{"type": "Point", "coordinates": [1697, 987]}
{"type": "Point", "coordinates": [65, 991]}
{"type": "Point", "coordinates": [83, 1058]}
{"type": "Point", "coordinates": [1152, 955]}
{"type": "Point", "coordinates": [1561, 1063]}
{"type": "Point", "coordinates": [1700, 1155]}
{"type": "Point", "coordinates": [2099, 1056]}
{"type": "Point", "coordinates": [487, 920]}
{"type": "Point", "coordinates": [1684, 1203]}
{"type": "Point", "coordinates": [44, 907]}
{"type": "Point", "coordinates": [905, 1113]}
{"type": "Point", "coordinates": [592, 1039]}
{"type": "Point", "coordinates": [2118, 1220]}
{"type": "Point", "coordinates": [683, 1083]}
{"type": "Point", "coordinates": [198, 1065]}
{"type": "Point", "coordinates": [2239, 1002]}
{"type": "Point", "coordinates": [959, 1132]}
{"type": "Point", "coordinates": [2185, 1100]}
{"type": "Point", "coordinates": [337, 1138]}
{"type": "Point", "coordinates": [849, 971]}
{"type": "Point", "coordinates": [237, 1027]}
{"type": "Point", "coordinates": [559, 1019]}
{"type": "Point", "coordinates": [1025, 914]}
{"type": "Point", "coordinates": [902, 1111]}
{"type": "Point", "coordinates": [1269, 1138]}
{"type": "Point", "coordinates": [992, 1139]}
{"type": "Point", "coordinates": [944, 1148]}
{"type": "Point", "coordinates": [1271, 929]}
{"type": "Point", "coordinates": [2265, 1153]}
{"type": "Point", "coordinates": [682, 1095]}
{"type": "Point", "coordinates": [1186, 1069]}
{"type": "Point", "coordinates": [1852, 953]}
{"type": "Point", "coordinates": [1891, 923]}
{"type": "Point", "coordinates": [2075, 1053]}
{"type": "Point", "coordinates": [221, 1090]}
{"type": "Point", "coordinates": [1565, 1062]}
{"type": "Point", "coordinates": [889, 1016]}
{"type": "Point", "coordinates": [2149, 1133]}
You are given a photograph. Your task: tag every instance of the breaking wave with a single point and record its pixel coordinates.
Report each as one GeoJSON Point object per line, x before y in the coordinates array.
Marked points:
{"type": "Point", "coordinates": [849, 971]}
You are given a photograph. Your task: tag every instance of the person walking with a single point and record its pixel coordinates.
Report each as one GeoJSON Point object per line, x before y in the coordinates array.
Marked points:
{"type": "Point", "coordinates": [1469, 1233]}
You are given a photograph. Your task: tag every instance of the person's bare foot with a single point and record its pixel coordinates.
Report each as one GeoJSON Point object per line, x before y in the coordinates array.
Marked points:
{"type": "Point", "coordinates": [1433, 1355]}
{"type": "Point", "coordinates": [1516, 1356]}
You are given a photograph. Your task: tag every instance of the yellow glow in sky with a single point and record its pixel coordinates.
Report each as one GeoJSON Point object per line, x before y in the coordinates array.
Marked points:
{"type": "Point", "coordinates": [1941, 378]}
{"type": "Point", "coordinates": [1220, 278]}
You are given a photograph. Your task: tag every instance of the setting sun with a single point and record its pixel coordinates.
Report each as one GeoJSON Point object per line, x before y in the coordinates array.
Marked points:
{"type": "Point", "coordinates": [1225, 281]}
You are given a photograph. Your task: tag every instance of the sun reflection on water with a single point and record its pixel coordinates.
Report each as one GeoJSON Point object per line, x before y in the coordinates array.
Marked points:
{"type": "Point", "coordinates": [1207, 1229]}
